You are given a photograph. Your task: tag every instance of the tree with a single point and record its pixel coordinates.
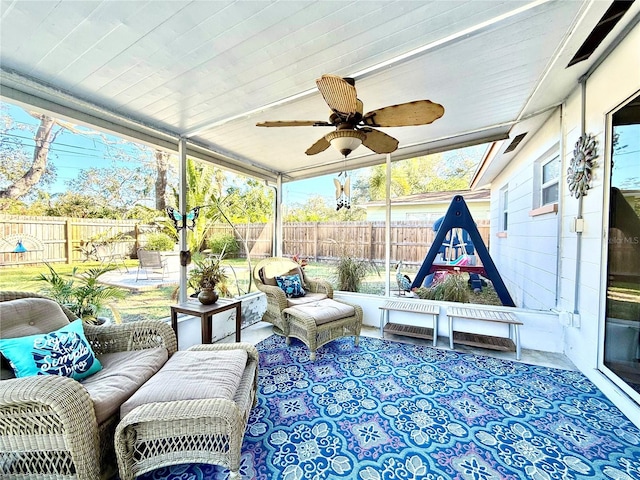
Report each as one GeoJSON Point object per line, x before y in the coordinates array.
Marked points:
{"type": "Point", "coordinates": [162, 166]}
{"type": "Point", "coordinates": [137, 175]}
{"type": "Point", "coordinates": [73, 204]}
{"type": "Point", "coordinates": [116, 188]}
{"type": "Point", "coordinates": [249, 201]}
{"type": "Point", "coordinates": [432, 173]}
{"type": "Point", "coordinates": [19, 174]}
{"type": "Point", "coordinates": [319, 209]}
{"type": "Point", "coordinates": [315, 209]}
{"type": "Point", "coordinates": [374, 186]}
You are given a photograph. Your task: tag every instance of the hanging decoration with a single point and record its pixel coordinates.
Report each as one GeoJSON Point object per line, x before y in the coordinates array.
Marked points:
{"type": "Point", "coordinates": [183, 221]}
{"type": "Point", "coordinates": [343, 191]}
{"type": "Point", "coordinates": [20, 248]}
{"type": "Point", "coordinates": [579, 172]}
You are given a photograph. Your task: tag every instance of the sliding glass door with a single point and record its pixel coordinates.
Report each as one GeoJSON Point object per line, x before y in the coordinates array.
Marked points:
{"type": "Point", "coordinates": [622, 322]}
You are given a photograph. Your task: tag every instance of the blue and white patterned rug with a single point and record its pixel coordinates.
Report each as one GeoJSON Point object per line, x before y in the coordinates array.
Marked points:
{"type": "Point", "coordinates": [387, 410]}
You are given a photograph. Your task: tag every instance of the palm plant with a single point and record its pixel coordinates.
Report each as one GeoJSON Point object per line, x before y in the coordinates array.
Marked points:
{"type": "Point", "coordinates": [204, 185]}
{"type": "Point", "coordinates": [85, 299]}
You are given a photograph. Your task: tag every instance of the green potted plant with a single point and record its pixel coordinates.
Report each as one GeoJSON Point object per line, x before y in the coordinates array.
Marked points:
{"type": "Point", "coordinates": [83, 294]}
{"type": "Point", "coordinates": [206, 276]}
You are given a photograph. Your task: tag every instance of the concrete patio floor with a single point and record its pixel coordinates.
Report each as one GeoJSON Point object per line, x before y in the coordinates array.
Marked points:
{"type": "Point", "coordinates": [124, 279]}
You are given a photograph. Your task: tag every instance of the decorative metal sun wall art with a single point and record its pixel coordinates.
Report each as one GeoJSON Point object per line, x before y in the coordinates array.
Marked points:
{"type": "Point", "coordinates": [583, 161]}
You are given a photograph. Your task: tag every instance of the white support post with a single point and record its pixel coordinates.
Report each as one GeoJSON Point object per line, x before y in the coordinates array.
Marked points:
{"type": "Point", "coordinates": [182, 205]}
{"type": "Point", "coordinates": [387, 231]}
{"type": "Point", "coordinates": [278, 235]}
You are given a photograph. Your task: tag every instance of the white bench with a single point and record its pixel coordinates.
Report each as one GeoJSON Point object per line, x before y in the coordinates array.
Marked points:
{"type": "Point", "coordinates": [485, 341]}
{"type": "Point", "coordinates": [410, 330]}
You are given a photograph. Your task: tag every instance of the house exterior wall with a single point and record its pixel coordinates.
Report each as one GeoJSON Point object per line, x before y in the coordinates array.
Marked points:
{"type": "Point", "coordinates": [612, 83]}
{"type": "Point", "coordinates": [425, 212]}
{"type": "Point", "coordinates": [526, 252]}
{"type": "Point", "coordinates": [526, 258]}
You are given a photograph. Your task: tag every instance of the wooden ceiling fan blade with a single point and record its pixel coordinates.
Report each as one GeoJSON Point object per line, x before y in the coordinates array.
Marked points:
{"type": "Point", "coordinates": [320, 146]}
{"type": "Point", "coordinates": [294, 123]}
{"type": "Point", "coordinates": [379, 141]}
{"type": "Point", "coordinates": [339, 94]}
{"type": "Point", "coordinates": [420, 112]}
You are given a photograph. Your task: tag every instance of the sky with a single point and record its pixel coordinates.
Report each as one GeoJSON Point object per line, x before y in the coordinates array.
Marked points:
{"type": "Point", "coordinates": [73, 152]}
{"type": "Point", "coordinates": [70, 152]}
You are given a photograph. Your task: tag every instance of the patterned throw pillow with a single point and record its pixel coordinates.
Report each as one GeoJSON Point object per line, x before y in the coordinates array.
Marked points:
{"type": "Point", "coordinates": [292, 286]}
{"type": "Point", "coordinates": [65, 352]}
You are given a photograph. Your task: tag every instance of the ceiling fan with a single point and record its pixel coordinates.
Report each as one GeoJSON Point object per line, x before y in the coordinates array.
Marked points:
{"type": "Point", "coordinates": [352, 127]}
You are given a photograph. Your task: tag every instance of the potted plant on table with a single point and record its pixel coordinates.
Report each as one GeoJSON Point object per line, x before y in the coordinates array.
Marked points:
{"type": "Point", "coordinates": [206, 276]}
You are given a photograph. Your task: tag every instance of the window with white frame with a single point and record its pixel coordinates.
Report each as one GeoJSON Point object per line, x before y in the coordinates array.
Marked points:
{"type": "Point", "coordinates": [504, 208]}
{"type": "Point", "coordinates": [549, 180]}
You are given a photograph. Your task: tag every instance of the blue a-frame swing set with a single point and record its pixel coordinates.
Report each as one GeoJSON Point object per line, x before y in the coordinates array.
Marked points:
{"type": "Point", "coordinates": [459, 216]}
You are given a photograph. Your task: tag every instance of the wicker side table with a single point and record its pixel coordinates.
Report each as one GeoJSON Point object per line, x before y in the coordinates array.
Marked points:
{"type": "Point", "coordinates": [210, 431]}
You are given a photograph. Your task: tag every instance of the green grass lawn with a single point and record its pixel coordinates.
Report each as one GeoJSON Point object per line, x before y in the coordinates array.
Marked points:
{"type": "Point", "coordinates": [154, 304]}
{"type": "Point", "coordinates": [149, 304]}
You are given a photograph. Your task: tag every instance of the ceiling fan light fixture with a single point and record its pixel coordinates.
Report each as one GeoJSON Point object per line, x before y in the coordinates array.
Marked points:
{"type": "Point", "coordinates": [345, 141]}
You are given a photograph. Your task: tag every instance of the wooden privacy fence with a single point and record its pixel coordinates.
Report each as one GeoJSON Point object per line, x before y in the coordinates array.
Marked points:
{"type": "Point", "coordinates": [64, 239]}
{"type": "Point", "coordinates": [410, 241]}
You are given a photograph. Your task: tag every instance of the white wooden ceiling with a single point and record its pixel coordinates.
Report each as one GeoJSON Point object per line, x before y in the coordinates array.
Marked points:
{"type": "Point", "coordinates": [209, 70]}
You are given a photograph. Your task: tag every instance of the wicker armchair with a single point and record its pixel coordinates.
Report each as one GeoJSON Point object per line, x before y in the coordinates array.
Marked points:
{"type": "Point", "coordinates": [276, 299]}
{"type": "Point", "coordinates": [48, 425]}
{"type": "Point", "coordinates": [315, 319]}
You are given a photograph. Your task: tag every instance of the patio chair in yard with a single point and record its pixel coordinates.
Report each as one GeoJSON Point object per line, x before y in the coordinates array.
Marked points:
{"type": "Point", "coordinates": [107, 257]}
{"type": "Point", "coordinates": [151, 260]}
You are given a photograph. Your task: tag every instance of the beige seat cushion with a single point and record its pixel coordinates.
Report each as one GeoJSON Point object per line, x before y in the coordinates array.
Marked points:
{"type": "Point", "coordinates": [324, 311]}
{"type": "Point", "coordinates": [192, 375]}
{"type": "Point", "coordinates": [122, 374]}
{"type": "Point", "coordinates": [308, 298]}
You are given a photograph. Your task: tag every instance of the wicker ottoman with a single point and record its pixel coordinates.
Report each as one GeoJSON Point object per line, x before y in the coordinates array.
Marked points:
{"type": "Point", "coordinates": [193, 410]}
{"type": "Point", "coordinates": [318, 323]}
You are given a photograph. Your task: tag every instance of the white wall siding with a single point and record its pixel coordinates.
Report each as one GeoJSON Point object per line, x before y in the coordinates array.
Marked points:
{"type": "Point", "coordinates": [526, 258]}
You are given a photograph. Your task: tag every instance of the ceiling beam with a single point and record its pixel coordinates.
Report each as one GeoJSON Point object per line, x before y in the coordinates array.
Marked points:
{"type": "Point", "coordinates": [30, 93]}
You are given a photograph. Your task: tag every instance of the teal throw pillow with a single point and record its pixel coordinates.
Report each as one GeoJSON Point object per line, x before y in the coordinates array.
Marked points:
{"type": "Point", "coordinates": [292, 286]}
{"type": "Point", "coordinates": [65, 352]}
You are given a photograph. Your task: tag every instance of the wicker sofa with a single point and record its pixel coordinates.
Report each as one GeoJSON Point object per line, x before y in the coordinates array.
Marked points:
{"type": "Point", "coordinates": [54, 426]}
